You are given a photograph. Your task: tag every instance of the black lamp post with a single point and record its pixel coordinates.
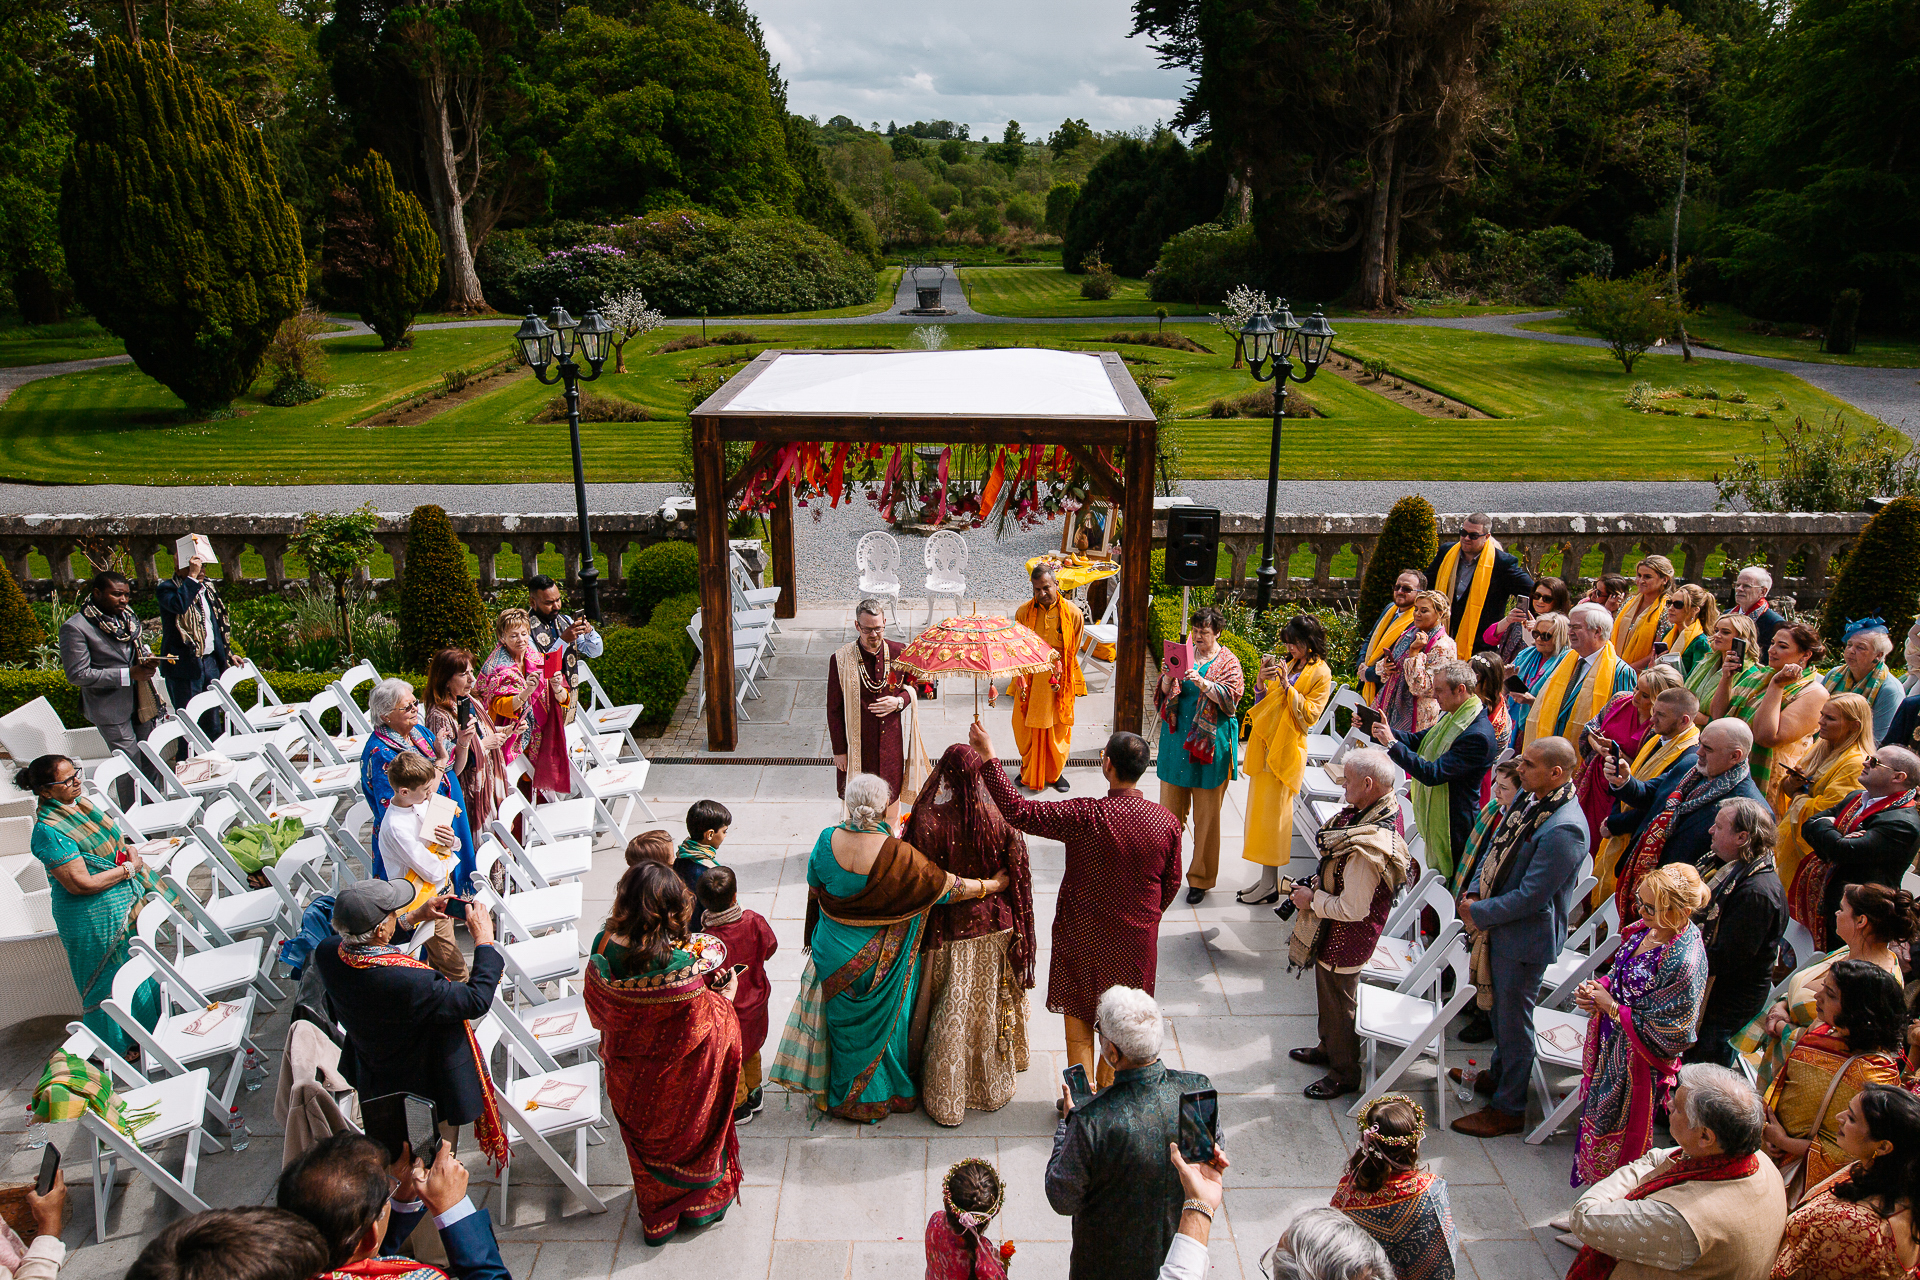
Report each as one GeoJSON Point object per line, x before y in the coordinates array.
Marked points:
{"type": "Point", "coordinates": [1270, 349]}
{"type": "Point", "coordinates": [540, 341]}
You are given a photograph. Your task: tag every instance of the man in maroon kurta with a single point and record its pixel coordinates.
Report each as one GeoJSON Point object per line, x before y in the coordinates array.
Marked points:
{"type": "Point", "coordinates": [1123, 869]}
{"type": "Point", "coordinates": [861, 682]}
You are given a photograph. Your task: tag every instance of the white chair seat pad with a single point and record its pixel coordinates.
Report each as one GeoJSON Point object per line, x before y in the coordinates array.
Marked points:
{"type": "Point", "coordinates": [180, 1101]}
{"type": "Point", "coordinates": [546, 908]}
{"type": "Point", "coordinates": [1391, 1016]}
{"type": "Point", "coordinates": [585, 1110]}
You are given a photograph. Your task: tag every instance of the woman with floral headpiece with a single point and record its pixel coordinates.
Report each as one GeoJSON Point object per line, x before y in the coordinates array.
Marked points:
{"type": "Point", "coordinates": [1394, 1199]}
{"type": "Point", "coordinates": [1863, 670]}
{"type": "Point", "coordinates": [957, 1248]}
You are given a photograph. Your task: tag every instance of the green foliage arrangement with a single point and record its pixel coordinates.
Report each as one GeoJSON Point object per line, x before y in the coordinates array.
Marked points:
{"type": "Point", "coordinates": [1098, 283]}
{"type": "Point", "coordinates": [670, 619]}
{"type": "Point", "coordinates": [1630, 314]}
{"type": "Point", "coordinates": [662, 570]}
{"type": "Point", "coordinates": [1525, 266]}
{"type": "Point", "coordinates": [383, 255]}
{"type": "Point", "coordinates": [1136, 196]}
{"type": "Point", "coordinates": [1820, 466]}
{"type": "Point", "coordinates": [1880, 576]}
{"type": "Point", "coordinates": [174, 227]}
{"type": "Point", "coordinates": [20, 631]}
{"type": "Point", "coordinates": [1202, 263]}
{"type": "Point", "coordinates": [1409, 539]}
{"type": "Point", "coordinates": [439, 605]}
{"type": "Point", "coordinates": [1060, 198]}
{"type": "Point", "coordinates": [334, 545]}
{"type": "Point", "coordinates": [645, 666]}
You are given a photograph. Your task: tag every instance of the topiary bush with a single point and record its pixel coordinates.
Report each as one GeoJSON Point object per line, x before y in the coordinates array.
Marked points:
{"type": "Point", "coordinates": [439, 605]}
{"type": "Point", "coordinates": [20, 631]}
{"type": "Point", "coordinates": [1880, 576]}
{"type": "Point", "coordinates": [1202, 263]}
{"type": "Point", "coordinates": [645, 666]}
{"type": "Point", "coordinates": [382, 251]}
{"type": "Point", "coordinates": [670, 619]}
{"type": "Point", "coordinates": [1409, 539]}
{"type": "Point", "coordinates": [661, 570]}
{"type": "Point", "coordinates": [18, 688]}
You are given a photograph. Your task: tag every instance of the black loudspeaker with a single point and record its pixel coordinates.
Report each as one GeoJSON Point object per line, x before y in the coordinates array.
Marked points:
{"type": "Point", "coordinates": [1193, 546]}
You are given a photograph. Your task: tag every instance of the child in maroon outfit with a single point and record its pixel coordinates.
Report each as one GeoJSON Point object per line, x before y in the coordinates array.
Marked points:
{"type": "Point", "coordinates": [749, 940]}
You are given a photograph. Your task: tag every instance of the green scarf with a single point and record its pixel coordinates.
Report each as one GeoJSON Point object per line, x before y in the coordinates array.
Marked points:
{"type": "Point", "coordinates": [691, 848]}
{"type": "Point", "coordinates": [72, 1086]}
{"type": "Point", "coordinates": [84, 824]}
{"type": "Point", "coordinates": [1430, 804]}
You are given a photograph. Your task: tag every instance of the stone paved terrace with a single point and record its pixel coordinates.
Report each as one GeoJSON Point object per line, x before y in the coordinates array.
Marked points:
{"type": "Point", "coordinates": [828, 1200]}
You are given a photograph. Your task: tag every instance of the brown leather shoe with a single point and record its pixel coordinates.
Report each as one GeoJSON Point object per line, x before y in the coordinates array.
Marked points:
{"type": "Point", "coordinates": [1490, 1122]}
{"type": "Point", "coordinates": [1482, 1084]}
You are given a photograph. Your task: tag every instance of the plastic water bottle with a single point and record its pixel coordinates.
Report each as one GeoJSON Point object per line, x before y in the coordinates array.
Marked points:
{"type": "Point", "coordinates": [254, 1073]}
{"type": "Point", "coordinates": [237, 1135]}
{"type": "Point", "coordinates": [1468, 1074]}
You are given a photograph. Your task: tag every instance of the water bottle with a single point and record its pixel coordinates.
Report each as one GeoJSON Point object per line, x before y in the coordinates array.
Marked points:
{"type": "Point", "coordinates": [1468, 1074]}
{"type": "Point", "coordinates": [237, 1136]}
{"type": "Point", "coordinates": [254, 1073]}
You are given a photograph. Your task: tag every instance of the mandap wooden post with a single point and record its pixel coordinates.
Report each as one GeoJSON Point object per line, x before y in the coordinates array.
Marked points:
{"type": "Point", "coordinates": [782, 529]}
{"type": "Point", "coordinates": [1136, 569]}
{"type": "Point", "coordinates": [716, 601]}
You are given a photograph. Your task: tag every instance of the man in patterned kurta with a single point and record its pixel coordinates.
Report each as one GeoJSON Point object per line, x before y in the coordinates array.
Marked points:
{"type": "Point", "coordinates": [865, 698]}
{"type": "Point", "coordinates": [1123, 869]}
{"type": "Point", "coordinates": [1043, 704]}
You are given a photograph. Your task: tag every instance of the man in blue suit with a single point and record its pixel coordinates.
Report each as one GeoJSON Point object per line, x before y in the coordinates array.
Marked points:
{"type": "Point", "coordinates": [342, 1187]}
{"type": "Point", "coordinates": [1518, 910]}
{"type": "Point", "coordinates": [1693, 787]}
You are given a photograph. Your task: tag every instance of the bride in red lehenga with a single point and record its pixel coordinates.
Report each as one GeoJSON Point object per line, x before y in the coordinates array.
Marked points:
{"type": "Point", "coordinates": [969, 1032]}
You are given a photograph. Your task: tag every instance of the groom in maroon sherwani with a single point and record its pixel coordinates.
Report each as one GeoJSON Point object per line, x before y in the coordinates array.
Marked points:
{"type": "Point", "coordinates": [1123, 869]}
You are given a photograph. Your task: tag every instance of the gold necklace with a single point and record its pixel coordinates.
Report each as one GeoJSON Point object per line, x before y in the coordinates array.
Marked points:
{"type": "Point", "coordinates": [865, 682]}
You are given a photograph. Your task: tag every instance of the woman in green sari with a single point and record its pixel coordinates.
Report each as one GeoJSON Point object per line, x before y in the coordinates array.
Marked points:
{"type": "Point", "coordinates": [846, 1040]}
{"type": "Point", "coordinates": [97, 881]}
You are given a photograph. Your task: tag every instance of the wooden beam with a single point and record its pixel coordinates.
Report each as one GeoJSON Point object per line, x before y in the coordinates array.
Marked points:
{"type": "Point", "coordinates": [1136, 568]}
{"type": "Point", "coordinates": [782, 528]}
{"type": "Point", "coordinates": [762, 457]}
{"type": "Point", "coordinates": [716, 601]}
{"type": "Point", "coordinates": [1110, 485]}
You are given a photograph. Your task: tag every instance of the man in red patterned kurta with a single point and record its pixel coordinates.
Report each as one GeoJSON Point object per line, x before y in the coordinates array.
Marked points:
{"type": "Point", "coordinates": [1123, 869]}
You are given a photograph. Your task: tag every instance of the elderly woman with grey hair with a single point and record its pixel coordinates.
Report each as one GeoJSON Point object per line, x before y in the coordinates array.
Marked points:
{"type": "Point", "coordinates": [1109, 1170]}
{"type": "Point", "coordinates": [1709, 1206]}
{"type": "Point", "coordinates": [394, 708]}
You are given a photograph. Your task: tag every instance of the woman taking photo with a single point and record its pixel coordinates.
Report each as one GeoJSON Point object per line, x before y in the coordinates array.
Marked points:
{"type": "Point", "coordinates": [1858, 1224]}
{"type": "Point", "coordinates": [529, 704]}
{"type": "Point", "coordinates": [1643, 617]}
{"type": "Point", "coordinates": [97, 881]}
{"type": "Point", "coordinates": [1288, 697]}
{"type": "Point", "coordinates": [1824, 777]}
{"type": "Point", "coordinates": [1691, 613]}
{"type": "Point", "coordinates": [469, 744]}
{"type": "Point", "coordinates": [1537, 661]}
{"type": "Point", "coordinates": [1626, 720]}
{"type": "Point", "coordinates": [1200, 739]}
{"type": "Point", "coordinates": [1704, 677]}
{"type": "Point", "coordinates": [1510, 634]}
{"type": "Point", "coordinates": [870, 894]}
{"type": "Point", "coordinates": [670, 1043]}
{"type": "Point", "coordinates": [1741, 927]}
{"type": "Point", "coordinates": [1641, 1017]}
{"type": "Point", "coordinates": [1858, 1041]}
{"type": "Point", "coordinates": [1780, 702]}
{"type": "Point", "coordinates": [1406, 690]}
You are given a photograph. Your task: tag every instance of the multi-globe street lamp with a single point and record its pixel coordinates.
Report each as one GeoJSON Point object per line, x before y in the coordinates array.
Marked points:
{"type": "Point", "coordinates": [562, 336]}
{"type": "Point", "coordinates": [1270, 348]}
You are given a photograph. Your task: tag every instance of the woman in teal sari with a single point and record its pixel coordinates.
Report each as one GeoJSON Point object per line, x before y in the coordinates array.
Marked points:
{"type": "Point", "coordinates": [97, 881]}
{"type": "Point", "coordinates": [846, 1040]}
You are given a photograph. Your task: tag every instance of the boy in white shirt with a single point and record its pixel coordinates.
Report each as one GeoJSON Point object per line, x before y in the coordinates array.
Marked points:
{"type": "Point", "coordinates": [405, 854]}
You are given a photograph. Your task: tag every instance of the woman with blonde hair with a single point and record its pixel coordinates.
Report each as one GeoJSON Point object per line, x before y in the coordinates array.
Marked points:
{"type": "Point", "coordinates": [1691, 613]}
{"type": "Point", "coordinates": [1641, 1018]}
{"type": "Point", "coordinates": [1704, 677]}
{"type": "Point", "coordinates": [1822, 779]}
{"type": "Point", "coordinates": [1406, 693]}
{"type": "Point", "coordinates": [1642, 618]}
{"type": "Point", "coordinates": [1548, 644]}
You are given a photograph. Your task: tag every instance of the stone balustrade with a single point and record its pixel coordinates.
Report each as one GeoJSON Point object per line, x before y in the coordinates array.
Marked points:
{"type": "Point", "coordinates": [1776, 539]}
{"type": "Point", "coordinates": [101, 539]}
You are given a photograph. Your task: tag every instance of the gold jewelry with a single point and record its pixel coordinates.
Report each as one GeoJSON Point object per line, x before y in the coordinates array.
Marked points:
{"type": "Point", "coordinates": [1199, 1207]}
{"type": "Point", "coordinates": [1368, 1130]}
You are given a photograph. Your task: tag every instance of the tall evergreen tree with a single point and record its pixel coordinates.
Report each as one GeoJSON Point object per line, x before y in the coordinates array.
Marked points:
{"type": "Point", "coordinates": [175, 231]}
{"type": "Point", "coordinates": [382, 251]}
{"type": "Point", "coordinates": [439, 605]}
{"type": "Point", "coordinates": [1409, 539]}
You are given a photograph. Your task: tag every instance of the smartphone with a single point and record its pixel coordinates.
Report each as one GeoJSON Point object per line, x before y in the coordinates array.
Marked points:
{"type": "Point", "coordinates": [49, 1169]}
{"type": "Point", "coordinates": [463, 712]}
{"type": "Point", "coordinates": [1516, 684]}
{"type": "Point", "coordinates": [1659, 648]}
{"type": "Point", "coordinates": [1739, 650]}
{"type": "Point", "coordinates": [398, 1120]}
{"type": "Point", "coordinates": [1366, 717]}
{"type": "Point", "coordinates": [1613, 749]}
{"type": "Point", "coordinates": [1199, 1125]}
{"type": "Point", "coordinates": [455, 905]}
{"type": "Point", "coordinates": [1078, 1089]}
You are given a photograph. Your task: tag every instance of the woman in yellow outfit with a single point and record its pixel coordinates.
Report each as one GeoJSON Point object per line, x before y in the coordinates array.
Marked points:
{"type": "Point", "coordinates": [1290, 697]}
{"type": "Point", "coordinates": [1642, 618]}
{"type": "Point", "coordinates": [1831, 770]}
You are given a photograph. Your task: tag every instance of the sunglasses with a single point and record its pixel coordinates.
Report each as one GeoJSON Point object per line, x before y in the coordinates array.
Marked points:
{"type": "Point", "coordinates": [1871, 762]}
{"type": "Point", "coordinates": [1467, 535]}
{"type": "Point", "coordinates": [1400, 587]}
{"type": "Point", "coordinates": [1543, 635]}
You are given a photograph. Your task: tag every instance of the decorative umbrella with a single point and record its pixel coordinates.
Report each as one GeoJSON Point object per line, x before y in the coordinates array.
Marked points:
{"type": "Point", "coordinates": [976, 646]}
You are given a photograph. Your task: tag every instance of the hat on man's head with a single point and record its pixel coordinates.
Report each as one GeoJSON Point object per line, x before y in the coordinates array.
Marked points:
{"type": "Point", "coordinates": [363, 904]}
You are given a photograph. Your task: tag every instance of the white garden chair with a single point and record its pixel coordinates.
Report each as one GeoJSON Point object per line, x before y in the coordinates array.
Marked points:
{"type": "Point", "coordinates": [946, 557]}
{"type": "Point", "coordinates": [746, 656]}
{"type": "Point", "coordinates": [545, 861]}
{"type": "Point", "coordinates": [529, 911]}
{"type": "Point", "coordinates": [876, 557]}
{"type": "Point", "coordinates": [537, 1128]}
{"type": "Point", "coordinates": [1560, 1043]}
{"type": "Point", "coordinates": [267, 711]}
{"type": "Point", "coordinates": [151, 814]}
{"type": "Point", "coordinates": [1413, 1018]}
{"type": "Point", "coordinates": [1104, 632]}
{"type": "Point", "coordinates": [172, 1047]}
{"type": "Point", "coordinates": [34, 730]}
{"type": "Point", "coordinates": [215, 970]}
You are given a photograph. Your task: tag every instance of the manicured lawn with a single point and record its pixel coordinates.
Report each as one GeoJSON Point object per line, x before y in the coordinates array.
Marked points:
{"type": "Point", "coordinates": [1050, 291]}
{"type": "Point", "coordinates": [51, 343]}
{"type": "Point", "coordinates": [1559, 415]}
{"type": "Point", "coordinates": [1722, 326]}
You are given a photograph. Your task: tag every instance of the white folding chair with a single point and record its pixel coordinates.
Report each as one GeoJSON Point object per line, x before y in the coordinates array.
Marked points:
{"type": "Point", "coordinates": [876, 558]}
{"type": "Point", "coordinates": [1414, 1018]}
{"type": "Point", "coordinates": [346, 686]}
{"type": "Point", "coordinates": [173, 1047]}
{"type": "Point", "coordinates": [151, 814]}
{"type": "Point", "coordinates": [537, 1128]}
{"type": "Point", "coordinates": [554, 820]}
{"type": "Point", "coordinates": [529, 911]}
{"type": "Point", "coordinates": [1559, 1041]}
{"type": "Point", "coordinates": [1582, 955]}
{"type": "Point", "coordinates": [217, 775]}
{"type": "Point", "coordinates": [350, 743]}
{"type": "Point", "coordinates": [560, 1027]}
{"type": "Point", "coordinates": [267, 711]}
{"type": "Point", "coordinates": [1104, 632]}
{"type": "Point", "coordinates": [946, 558]}
{"type": "Point", "coordinates": [618, 783]}
{"type": "Point", "coordinates": [601, 712]}
{"type": "Point", "coordinates": [198, 963]}
{"type": "Point", "coordinates": [756, 597]}
{"type": "Point", "coordinates": [305, 765]}
{"type": "Point", "coordinates": [745, 654]}
{"type": "Point", "coordinates": [545, 861]}
{"type": "Point", "coordinates": [1322, 742]}
{"type": "Point", "coordinates": [747, 617]}
{"type": "Point", "coordinates": [354, 857]}
{"type": "Point", "coordinates": [178, 1106]}
{"type": "Point", "coordinates": [237, 739]}
{"type": "Point", "coordinates": [1400, 949]}
{"type": "Point", "coordinates": [231, 908]}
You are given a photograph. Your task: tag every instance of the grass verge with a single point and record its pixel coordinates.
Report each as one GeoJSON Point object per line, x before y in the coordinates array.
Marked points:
{"type": "Point", "coordinates": [1725, 328]}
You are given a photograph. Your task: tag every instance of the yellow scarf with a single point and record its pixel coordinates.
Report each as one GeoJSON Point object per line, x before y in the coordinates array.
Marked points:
{"type": "Point", "coordinates": [1593, 695]}
{"type": "Point", "coordinates": [1635, 630]}
{"type": "Point", "coordinates": [1385, 632]}
{"type": "Point", "coordinates": [1655, 757]}
{"type": "Point", "coordinates": [1278, 724]}
{"type": "Point", "coordinates": [1468, 623]}
{"type": "Point", "coordinates": [1680, 638]}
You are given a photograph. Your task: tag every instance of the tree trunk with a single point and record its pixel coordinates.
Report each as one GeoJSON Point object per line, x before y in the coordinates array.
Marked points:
{"type": "Point", "coordinates": [1396, 207]}
{"type": "Point", "coordinates": [449, 205]}
{"type": "Point", "coordinates": [1376, 286]}
{"type": "Point", "coordinates": [133, 27]}
{"type": "Point", "coordinates": [1679, 196]}
{"type": "Point", "coordinates": [620, 356]}
{"type": "Point", "coordinates": [346, 619]}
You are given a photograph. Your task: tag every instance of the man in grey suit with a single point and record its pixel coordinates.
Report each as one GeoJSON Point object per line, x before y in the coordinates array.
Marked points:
{"type": "Point", "coordinates": [1518, 910]}
{"type": "Point", "coordinates": [101, 650]}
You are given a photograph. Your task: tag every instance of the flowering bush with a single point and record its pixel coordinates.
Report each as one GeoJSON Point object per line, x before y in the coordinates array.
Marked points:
{"type": "Point", "coordinates": [580, 276]}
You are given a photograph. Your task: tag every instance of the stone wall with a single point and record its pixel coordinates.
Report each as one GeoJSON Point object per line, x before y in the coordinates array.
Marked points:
{"type": "Point", "coordinates": [1772, 537]}
{"type": "Point", "coordinates": [507, 546]}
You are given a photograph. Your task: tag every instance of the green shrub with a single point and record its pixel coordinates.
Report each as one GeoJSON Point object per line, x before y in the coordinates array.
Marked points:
{"type": "Point", "coordinates": [670, 619]}
{"type": "Point", "coordinates": [1249, 658]}
{"type": "Point", "coordinates": [18, 688]}
{"type": "Point", "coordinates": [383, 255]}
{"type": "Point", "coordinates": [1098, 285]}
{"type": "Point", "coordinates": [439, 605]}
{"type": "Point", "coordinates": [688, 259]}
{"type": "Point", "coordinates": [20, 632]}
{"type": "Point", "coordinates": [645, 666]}
{"type": "Point", "coordinates": [1630, 314]}
{"type": "Point", "coordinates": [661, 570]}
{"type": "Point", "coordinates": [1202, 263]}
{"type": "Point", "coordinates": [1880, 576]}
{"type": "Point", "coordinates": [1823, 465]}
{"type": "Point", "coordinates": [1409, 539]}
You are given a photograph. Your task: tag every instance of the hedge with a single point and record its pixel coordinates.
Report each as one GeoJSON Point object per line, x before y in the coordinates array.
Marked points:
{"type": "Point", "coordinates": [670, 619]}
{"type": "Point", "coordinates": [1163, 625]}
{"type": "Point", "coordinates": [20, 629]}
{"type": "Point", "coordinates": [659, 571]}
{"type": "Point", "coordinates": [644, 665]}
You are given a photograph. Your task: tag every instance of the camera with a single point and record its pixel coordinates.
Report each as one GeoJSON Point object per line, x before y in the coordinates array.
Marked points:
{"type": "Point", "coordinates": [1287, 885]}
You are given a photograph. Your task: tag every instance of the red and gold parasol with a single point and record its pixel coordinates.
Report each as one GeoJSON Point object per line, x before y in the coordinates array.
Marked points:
{"type": "Point", "coordinates": [978, 646]}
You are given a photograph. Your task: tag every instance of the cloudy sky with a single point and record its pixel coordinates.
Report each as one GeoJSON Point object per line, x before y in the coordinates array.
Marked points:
{"type": "Point", "coordinates": [982, 62]}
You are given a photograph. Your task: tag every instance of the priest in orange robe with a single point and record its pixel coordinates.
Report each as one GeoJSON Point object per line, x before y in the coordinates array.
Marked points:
{"type": "Point", "coordinates": [1043, 704]}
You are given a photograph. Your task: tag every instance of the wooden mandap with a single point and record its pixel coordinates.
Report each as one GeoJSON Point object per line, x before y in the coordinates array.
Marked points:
{"type": "Point", "coordinates": [1085, 402]}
